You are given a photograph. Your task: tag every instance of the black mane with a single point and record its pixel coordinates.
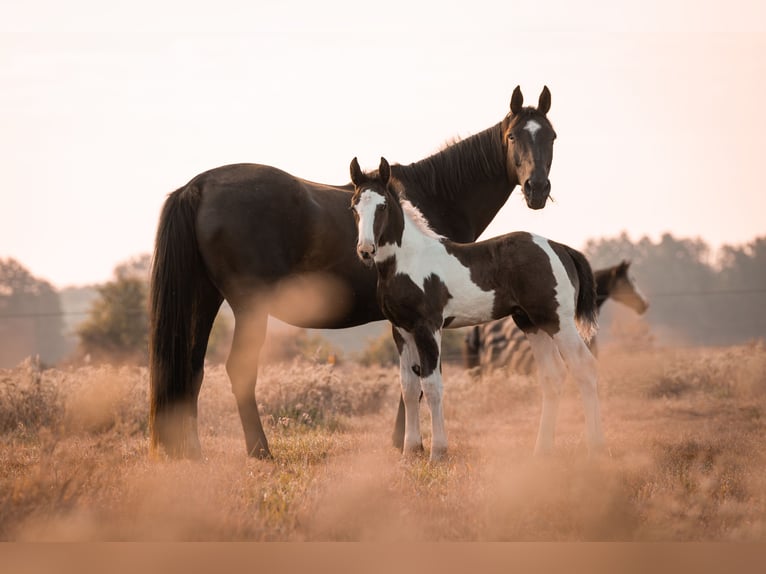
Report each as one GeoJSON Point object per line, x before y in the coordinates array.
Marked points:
{"type": "Point", "coordinates": [479, 157]}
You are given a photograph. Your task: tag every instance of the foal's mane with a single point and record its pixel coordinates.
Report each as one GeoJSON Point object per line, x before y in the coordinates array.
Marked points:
{"type": "Point", "coordinates": [479, 157]}
{"type": "Point", "coordinates": [417, 217]}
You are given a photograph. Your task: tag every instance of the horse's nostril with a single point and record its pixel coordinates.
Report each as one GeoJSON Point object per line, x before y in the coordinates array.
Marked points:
{"type": "Point", "coordinates": [527, 186]}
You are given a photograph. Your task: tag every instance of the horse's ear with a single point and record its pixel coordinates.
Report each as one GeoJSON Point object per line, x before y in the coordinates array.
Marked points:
{"type": "Point", "coordinates": [544, 104]}
{"type": "Point", "coordinates": [384, 171]}
{"type": "Point", "coordinates": [517, 100]}
{"type": "Point", "coordinates": [356, 172]}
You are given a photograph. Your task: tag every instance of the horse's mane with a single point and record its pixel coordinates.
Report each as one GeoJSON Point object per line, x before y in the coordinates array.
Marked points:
{"type": "Point", "coordinates": [479, 157]}
{"type": "Point", "coordinates": [417, 217]}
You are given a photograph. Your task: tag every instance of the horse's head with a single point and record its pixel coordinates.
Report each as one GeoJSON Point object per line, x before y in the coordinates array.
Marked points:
{"type": "Point", "coordinates": [624, 289]}
{"type": "Point", "coordinates": [376, 210]}
{"type": "Point", "coordinates": [528, 137]}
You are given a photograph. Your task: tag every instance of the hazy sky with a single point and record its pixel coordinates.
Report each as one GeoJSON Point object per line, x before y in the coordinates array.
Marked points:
{"type": "Point", "coordinates": [105, 107]}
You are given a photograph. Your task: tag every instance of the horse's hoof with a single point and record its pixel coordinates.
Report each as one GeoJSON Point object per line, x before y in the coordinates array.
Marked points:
{"type": "Point", "coordinates": [413, 450]}
{"type": "Point", "coordinates": [261, 453]}
{"type": "Point", "coordinates": [438, 455]}
{"type": "Point", "coordinates": [398, 441]}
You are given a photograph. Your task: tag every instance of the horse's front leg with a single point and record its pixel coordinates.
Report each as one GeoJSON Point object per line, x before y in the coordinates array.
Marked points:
{"type": "Point", "coordinates": [429, 350]}
{"type": "Point", "coordinates": [409, 369]}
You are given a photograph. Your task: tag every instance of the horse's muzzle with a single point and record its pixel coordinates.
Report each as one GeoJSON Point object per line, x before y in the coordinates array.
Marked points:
{"type": "Point", "coordinates": [366, 254]}
{"type": "Point", "coordinates": [536, 193]}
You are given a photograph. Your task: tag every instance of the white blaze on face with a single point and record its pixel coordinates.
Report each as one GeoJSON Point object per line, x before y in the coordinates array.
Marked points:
{"type": "Point", "coordinates": [532, 127]}
{"type": "Point", "coordinates": [366, 207]}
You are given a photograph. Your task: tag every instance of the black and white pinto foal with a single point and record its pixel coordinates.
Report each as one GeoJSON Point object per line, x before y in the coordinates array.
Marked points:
{"type": "Point", "coordinates": [427, 282]}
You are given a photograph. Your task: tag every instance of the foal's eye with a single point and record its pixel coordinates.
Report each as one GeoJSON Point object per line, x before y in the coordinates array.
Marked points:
{"type": "Point", "coordinates": [510, 137]}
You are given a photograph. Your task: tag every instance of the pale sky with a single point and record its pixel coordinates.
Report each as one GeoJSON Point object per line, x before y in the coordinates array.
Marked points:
{"type": "Point", "coordinates": [105, 107]}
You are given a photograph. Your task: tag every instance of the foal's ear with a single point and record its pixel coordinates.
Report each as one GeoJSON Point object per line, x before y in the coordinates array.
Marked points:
{"type": "Point", "coordinates": [544, 104]}
{"type": "Point", "coordinates": [356, 172]}
{"type": "Point", "coordinates": [384, 171]}
{"type": "Point", "coordinates": [517, 100]}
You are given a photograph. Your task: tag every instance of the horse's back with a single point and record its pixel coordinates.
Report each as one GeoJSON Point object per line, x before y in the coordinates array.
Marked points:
{"type": "Point", "coordinates": [258, 225]}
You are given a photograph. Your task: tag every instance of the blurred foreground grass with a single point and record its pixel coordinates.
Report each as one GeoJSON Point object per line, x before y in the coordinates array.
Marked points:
{"type": "Point", "coordinates": [685, 460]}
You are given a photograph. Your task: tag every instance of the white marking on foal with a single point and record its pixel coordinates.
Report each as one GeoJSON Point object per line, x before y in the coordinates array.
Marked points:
{"type": "Point", "coordinates": [369, 201]}
{"type": "Point", "coordinates": [422, 254]}
{"type": "Point", "coordinates": [565, 292]}
{"type": "Point", "coordinates": [532, 127]}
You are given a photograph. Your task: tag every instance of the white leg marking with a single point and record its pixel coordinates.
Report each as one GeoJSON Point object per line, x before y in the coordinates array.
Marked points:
{"type": "Point", "coordinates": [551, 373]}
{"type": "Point", "coordinates": [582, 364]}
{"type": "Point", "coordinates": [413, 440]}
{"type": "Point", "coordinates": [433, 389]}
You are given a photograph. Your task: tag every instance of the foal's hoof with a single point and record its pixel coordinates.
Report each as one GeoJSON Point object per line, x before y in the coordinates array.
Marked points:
{"type": "Point", "coordinates": [438, 454]}
{"type": "Point", "coordinates": [413, 450]}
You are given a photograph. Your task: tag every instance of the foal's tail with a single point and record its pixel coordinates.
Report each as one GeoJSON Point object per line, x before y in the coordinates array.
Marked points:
{"type": "Point", "coordinates": [174, 296]}
{"type": "Point", "coordinates": [586, 310]}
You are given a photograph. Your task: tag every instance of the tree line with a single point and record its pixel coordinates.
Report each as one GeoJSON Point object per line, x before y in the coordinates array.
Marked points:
{"type": "Point", "coordinates": [697, 297]}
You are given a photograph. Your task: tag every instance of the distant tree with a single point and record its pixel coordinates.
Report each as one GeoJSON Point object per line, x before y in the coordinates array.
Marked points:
{"type": "Point", "coordinates": [693, 297]}
{"type": "Point", "coordinates": [31, 321]}
{"type": "Point", "coordinates": [137, 267]}
{"type": "Point", "coordinates": [744, 268]}
{"type": "Point", "coordinates": [117, 326]}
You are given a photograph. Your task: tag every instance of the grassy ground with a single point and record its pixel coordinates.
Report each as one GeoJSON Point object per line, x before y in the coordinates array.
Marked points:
{"type": "Point", "coordinates": [685, 461]}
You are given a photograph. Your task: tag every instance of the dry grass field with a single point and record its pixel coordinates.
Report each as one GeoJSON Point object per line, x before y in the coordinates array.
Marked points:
{"type": "Point", "coordinates": [686, 457]}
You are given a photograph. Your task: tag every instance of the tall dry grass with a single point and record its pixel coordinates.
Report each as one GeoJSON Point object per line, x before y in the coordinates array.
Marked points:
{"type": "Point", "coordinates": [685, 459]}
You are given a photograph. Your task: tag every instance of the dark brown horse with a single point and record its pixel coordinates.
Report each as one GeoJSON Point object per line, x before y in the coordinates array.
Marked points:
{"type": "Point", "coordinates": [274, 244]}
{"type": "Point", "coordinates": [427, 283]}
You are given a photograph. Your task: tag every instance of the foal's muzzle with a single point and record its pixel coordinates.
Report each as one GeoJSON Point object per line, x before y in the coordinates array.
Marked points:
{"type": "Point", "coordinates": [536, 192]}
{"type": "Point", "coordinates": [366, 253]}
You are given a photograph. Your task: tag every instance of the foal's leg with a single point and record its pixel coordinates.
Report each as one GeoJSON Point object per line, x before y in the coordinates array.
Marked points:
{"type": "Point", "coordinates": [551, 373]}
{"type": "Point", "coordinates": [409, 369]}
{"type": "Point", "coordinates": [582, 364]}
{"type": "Point", "coordinates": [242, 367]}
{"type": "Point", "coordinates": [429, 349]}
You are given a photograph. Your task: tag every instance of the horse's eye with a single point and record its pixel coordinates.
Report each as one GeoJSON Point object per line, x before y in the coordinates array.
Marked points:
{"type": "Point", "coordinates": [510, 137]}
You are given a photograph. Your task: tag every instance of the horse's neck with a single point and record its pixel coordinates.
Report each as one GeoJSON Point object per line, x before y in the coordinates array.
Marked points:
{"type": "Point", "coordinates": [414, 243]}
{"type": "Point", "coordinates": [461, 188]}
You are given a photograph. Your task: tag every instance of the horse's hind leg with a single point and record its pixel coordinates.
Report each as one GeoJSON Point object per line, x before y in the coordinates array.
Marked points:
{"type": "Point", "coordinates": [242, 367]}
{"type": "Point", "coordinates": [429, 351]}
{"type": "Point", "coordinates": [584, 369]}
{"type": "Point", "coordinates": [551, 373]}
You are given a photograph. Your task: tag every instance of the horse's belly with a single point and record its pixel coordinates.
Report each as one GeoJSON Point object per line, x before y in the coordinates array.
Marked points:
{"type": "Point", "coordinates": [473, 311]}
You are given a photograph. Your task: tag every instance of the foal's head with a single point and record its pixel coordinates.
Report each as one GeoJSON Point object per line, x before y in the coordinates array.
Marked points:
{"type": "Point", "coordinates": [376, 209]}
{"type": "Point", "coordinates": [624, 289]}
{"type": "Point", "coordinates": [528, 137]}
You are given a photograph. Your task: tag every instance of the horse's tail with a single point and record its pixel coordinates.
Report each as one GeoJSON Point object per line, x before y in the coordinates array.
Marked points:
{"type": "Point", "coordinates": [586, 309]}
{"type": "Point", "coordinates": [174, 294]}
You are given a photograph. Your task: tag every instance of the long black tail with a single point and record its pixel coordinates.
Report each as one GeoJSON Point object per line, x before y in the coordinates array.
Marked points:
{"type": "Point", "coordinates": [586, 310]}
{"type": "Point", "coordinates": [175, 291]}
